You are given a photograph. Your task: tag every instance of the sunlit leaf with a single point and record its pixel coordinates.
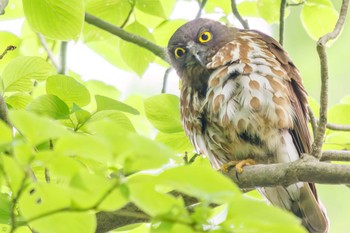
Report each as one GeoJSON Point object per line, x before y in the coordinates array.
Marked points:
{"type": "Point", "coordinates": [173, 227]}
{"type": "Point", "coordinates": [155, 7]}
{"type": "Point", "coordinates": [248, 8]}
{"type": "Point", "coordinates": [19, 100]}
{"type": "Point", "coordinates": [8, 39]}
{"type": "Point", "coordinates": [105, 103]}
{"type": "Point", "coordinates": [5, 208]}
{"type": "Point", "coordinates": [13, 10]}
{"type": "Point", "coordinates": [163, 32]}
{"type": "Point", "coordinates": [195, 181]}
{"type": "Point", "coordinates": [6, 133]}
{"type": "Point", "coordinates": [134, 56]}
{"type": "Point", "coordinates": [269, 10]}
{"type": "Point", "coordinates": [36, 129]}
{"type": "Point", "coordinates": [14, 173]}
{"type": "Point", "coordinates": [263, 218]}
{"type": "Point", "coordinates": [143, 194]}
{"type": "Point", "coordinates": [318, 17]}
{"type": "Point", "coordinates": [19, 73]}
{"type": "Point", "coordinates": [68, 89]}
{"type": "Point", "coordinates": [163, 112]}
{"type": "Point", "coordinates": [60, 19]}
{"type": "Point", "coordinates": [49, 105]}
{"type": "Point", "coordinates": [179, 142]}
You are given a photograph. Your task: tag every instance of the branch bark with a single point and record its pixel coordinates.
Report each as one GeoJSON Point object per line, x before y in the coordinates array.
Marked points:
{"type": "Point", "coordinates": [138, 40]}
{"type": "Point", "coordinates": [238, 16]}
{"type": "Point", "coordinates": [321, 49]}
{"type": "Point", "coordinates": [282, 13]}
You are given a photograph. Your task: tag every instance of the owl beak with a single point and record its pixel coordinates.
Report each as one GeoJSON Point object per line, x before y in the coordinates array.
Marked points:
{"type": "Point", "coordinates": [194, 50]}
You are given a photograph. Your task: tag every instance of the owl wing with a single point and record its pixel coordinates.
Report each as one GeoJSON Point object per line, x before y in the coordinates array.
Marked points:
{"type": "Point", "coordinates": [297, 93]}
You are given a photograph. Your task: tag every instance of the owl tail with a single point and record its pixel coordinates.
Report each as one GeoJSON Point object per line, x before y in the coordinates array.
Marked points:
{"type": "Point", "coordinates": [300, 199]}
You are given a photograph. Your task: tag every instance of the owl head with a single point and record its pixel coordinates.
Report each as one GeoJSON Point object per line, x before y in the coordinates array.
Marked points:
{"type": "Point", "coordinates": [193, 44]}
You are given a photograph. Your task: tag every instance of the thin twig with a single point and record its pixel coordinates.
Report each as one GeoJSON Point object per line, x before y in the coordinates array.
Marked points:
{"type": "Point", "coordinates": [63, 58]}
{"type": "Point", "coordinates": [335, 155]}
{"type": "Point", "coordinates": [48, 51]}
{"type": "Point", "coordinates": [337, 127]}
{"type": "Point", "coordinates": [8, 48]}
{"type": "Point", "coordinates": [165, 79]}
{"type": "Point", "coordinates": [238, 16]}
{"type": "Point", "coordinates": [132, 3]}
{"type": "Point", "coordinates": [282, 13]}
{"type": "Point", "coordinates": [321, 49]}
{"type": "Point", "coordinates": [296, 4]}
{"type": "Point", "coordinates": [313, 121]}
{"type": "Point", "coordinates": [132, 38]}
{"type": "Point", "coordinates": [201, 7]}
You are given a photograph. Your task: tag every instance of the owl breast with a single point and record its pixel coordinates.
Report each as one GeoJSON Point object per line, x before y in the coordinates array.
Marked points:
{"type": "Point", "coordinates": [246, 106]}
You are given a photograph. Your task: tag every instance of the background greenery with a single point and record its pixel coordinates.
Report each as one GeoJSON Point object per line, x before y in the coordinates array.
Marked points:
{"type": "Point", "coordinates": [79, 148]}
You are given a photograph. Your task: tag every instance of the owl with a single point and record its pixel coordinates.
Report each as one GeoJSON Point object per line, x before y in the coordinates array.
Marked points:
{"type": "Point", "coordinates": [242, 99]}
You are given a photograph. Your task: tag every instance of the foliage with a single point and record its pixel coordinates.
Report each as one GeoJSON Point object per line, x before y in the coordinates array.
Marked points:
{"type": "Point", "coordinates": [75, 149]}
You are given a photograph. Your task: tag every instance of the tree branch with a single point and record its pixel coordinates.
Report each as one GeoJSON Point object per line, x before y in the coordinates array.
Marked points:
{"type": "Point", "coordinates": [321, 49]}
{"type": "Point", "coordinates": [165, 80]}
{"type": "Point", "coordinates": [335, 155]}
{"type": "Point", "coordinates": [129, 37]}
{"type": "Point", "coordinates": [337, 127]}
{"type": "Point", "coordinates": [8, 48]}
{"type": "Point", "coordinates": [201, 7]}
{"type": "Point", "coordinates": [306, 169]}
{"type": "Point", "coordinates": [238, 16]}
{"type": "Point", "coordinates": [63, 58]}
{"type": "Point", "coordinates": [48, 50]}
{"type": "Point", "coordinates": [282, 13]}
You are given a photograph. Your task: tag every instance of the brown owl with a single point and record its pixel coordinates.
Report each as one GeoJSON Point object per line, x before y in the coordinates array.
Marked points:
{"type": "Point", "coordinates": [242, 99]}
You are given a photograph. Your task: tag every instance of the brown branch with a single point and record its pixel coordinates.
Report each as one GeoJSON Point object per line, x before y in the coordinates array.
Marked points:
{"type": "Point", "coordinates": [321, 49]}
{"type": "Point", "coordinates": [8, 48]}
{"type": "Point", "coordinates": [165, 80]}
{"type": "Point", "coordinates": [132, 38]}
{"type": "Point", "coordinates": [238, 16]}
{"type": "Point", "coordinates": [313, 121]}
{"type": "Point", "coordinates": [63, 58]}
{"type": "Point", "coordinates": [306, 169]}
{"type": "Point", "coordinates": [4, 111]}
{"type": "Point", "coordinates": [281, 26]}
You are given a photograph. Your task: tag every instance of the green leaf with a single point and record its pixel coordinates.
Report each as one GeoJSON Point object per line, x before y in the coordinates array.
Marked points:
{"type": "Point", "coordinates": [68, 89]}
{"type": "Point", "coordinates": [5, 208]}
{"type": "Point", "coordinates": [8, 39]}
{"type": "Point", "coordinates": [97, 87]}
{"type": "Point", "coordinates": [164, 113]}
{"type": "Point", "coordinates": [177, 141]}
{"type": "Point", "coordinates": [14, 173]}
{"type": "Point", "coordinates": [211, 6]}
{"type": "Point", "coordinates": [105, 103]}
{"type": "Point", "coordinates": [49, 105]}
{"type": "Point", "coordinates": [200, 185]}
{"type": "Point", "coordinates": [269, 10]}
{"type": "Point", "coordinates": [156, 7]}
{"type": "Point", "coordinates": [6, 133]}
{"type": "Point", "coordinates": [85, 146]}
{"type": "Point", "coordinates": [163, 32]}
{"type": "Point", "coordinates": [337, 141]}
{"type": "Point", "coordinates": [143, 193]}
{"type": "Point", "coordinates": [108, 198]}
{"type": "Point", "coordinates": [60, 19]}
{"type": "Point", "coordinates": [112, 11]}
{"type": "Point", "coordinates": [264, 218]}
{"type": "Point", "coordinates": [13, 10]}
{"type": "Point", "coordinates": [172, 227]}
{"type": "Point", "coordinates": [19, 73]}
{"type": "Point", "coordinates": [81, 115]}
{"type": "Point", "coordinates": [115, 116]}
{"type": "Point", "coordinates": [134, 56]}
{"type": "Point", "coordinates": [339, 114]}
{"type": "Point", "coordinates": [19, 100]}
{"type": "Point", "coordinates": [36, 129]}
{"type": "Point", "coordinates": [318, 17]}
{"type": "Point", "coordinates": [248, 8]}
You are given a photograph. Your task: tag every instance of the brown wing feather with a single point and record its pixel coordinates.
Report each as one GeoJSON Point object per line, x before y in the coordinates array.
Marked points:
{"type": "Point", "coordinates": [297, 93]}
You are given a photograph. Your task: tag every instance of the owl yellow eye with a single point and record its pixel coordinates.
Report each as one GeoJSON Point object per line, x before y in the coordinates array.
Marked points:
{"type": "Point", "coordinates": [204, 37]}
{"type": "Point", "coordinates": [179, 52]}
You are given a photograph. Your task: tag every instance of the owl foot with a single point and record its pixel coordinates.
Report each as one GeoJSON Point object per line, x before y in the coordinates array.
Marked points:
{"type": "Point", "coordinates": [237, 164]}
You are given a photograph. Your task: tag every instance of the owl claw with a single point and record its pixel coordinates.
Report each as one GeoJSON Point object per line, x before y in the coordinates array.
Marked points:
{"type": "Point", "coordinates": [237, 164]}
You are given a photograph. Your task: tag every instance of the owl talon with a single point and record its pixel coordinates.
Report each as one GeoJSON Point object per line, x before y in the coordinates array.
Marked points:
{"type": "Point", "coordinates": [237, 164]}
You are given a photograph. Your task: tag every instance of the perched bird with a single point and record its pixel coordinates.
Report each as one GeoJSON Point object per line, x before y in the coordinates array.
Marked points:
{"type": "Point", "coordinates": [242, 102]}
